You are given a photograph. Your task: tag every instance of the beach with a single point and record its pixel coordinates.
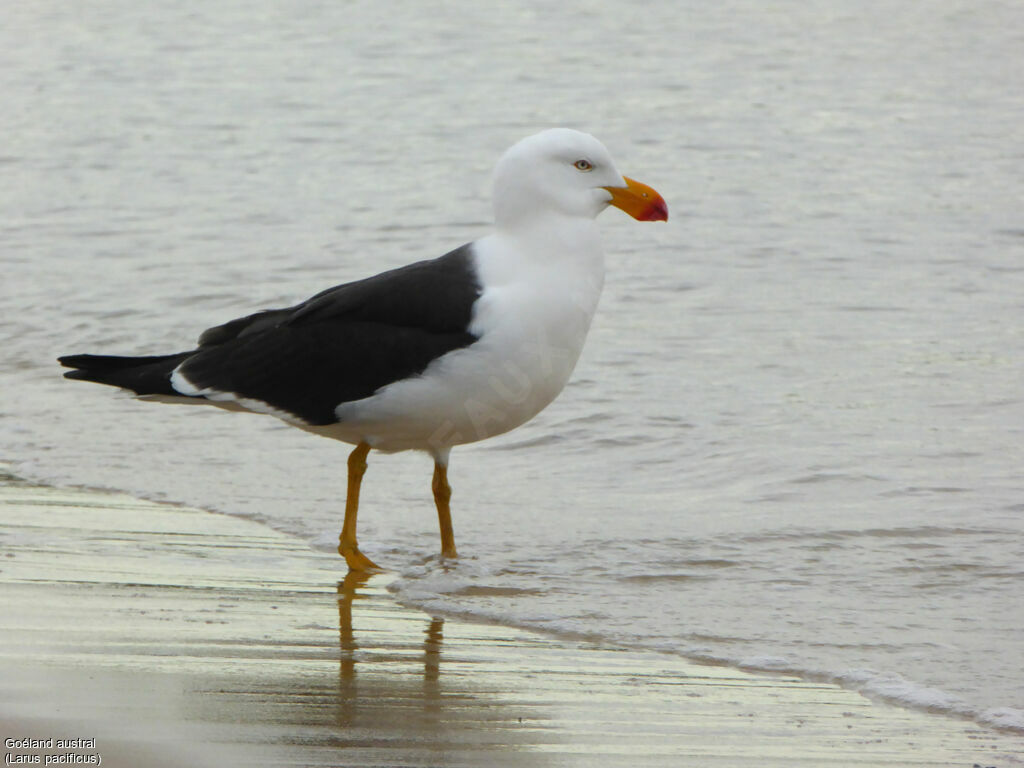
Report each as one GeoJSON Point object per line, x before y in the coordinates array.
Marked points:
{"type": "Point", "coordinates": [161, 635]}
{"type": "Point", "coordinates": [793, 441]}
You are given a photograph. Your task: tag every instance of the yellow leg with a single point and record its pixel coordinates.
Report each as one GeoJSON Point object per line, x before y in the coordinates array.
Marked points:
{"type": "Point", "coordinates": [442, 494]}
{"type": "Point", "coordinates": [347, 548]}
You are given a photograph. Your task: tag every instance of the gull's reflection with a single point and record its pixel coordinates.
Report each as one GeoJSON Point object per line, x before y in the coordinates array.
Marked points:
{"type": "Point", "coordinates": [391, 702]}
{"type": "Point", "coordinates": [347, 593]}
{"type": "Point", "coordinates": [432, 650]}
{"type": "Point", "coordinates": [382, 660]}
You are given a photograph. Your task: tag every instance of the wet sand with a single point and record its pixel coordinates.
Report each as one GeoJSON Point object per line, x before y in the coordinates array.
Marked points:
{"type": "Point", "coordinates": [174, 637]}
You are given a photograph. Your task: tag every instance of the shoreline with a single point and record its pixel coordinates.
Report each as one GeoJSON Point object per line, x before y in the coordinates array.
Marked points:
{"type": "Point", "coordinates": [175, 636]}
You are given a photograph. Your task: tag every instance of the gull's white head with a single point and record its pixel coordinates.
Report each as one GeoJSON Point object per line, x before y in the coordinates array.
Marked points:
{"type": "Point", "coordinates": [565, 173]}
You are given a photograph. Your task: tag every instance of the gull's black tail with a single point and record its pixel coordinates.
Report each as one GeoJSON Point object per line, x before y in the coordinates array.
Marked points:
{"type": "Point", "coordinates": [142, 375]}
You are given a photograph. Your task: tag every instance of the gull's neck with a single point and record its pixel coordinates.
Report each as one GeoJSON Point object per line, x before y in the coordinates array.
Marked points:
{"type": "Point", "coordinates": [556, 258]}
{"type": "Point", "coordinates": [554, 241]}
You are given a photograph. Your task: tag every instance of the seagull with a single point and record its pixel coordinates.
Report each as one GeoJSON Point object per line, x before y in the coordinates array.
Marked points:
{"type": "Point", "coordinates": [431, 355]}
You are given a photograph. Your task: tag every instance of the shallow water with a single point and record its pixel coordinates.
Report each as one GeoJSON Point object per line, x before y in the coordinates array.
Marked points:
{"type": "Point", "coordinates": [794, 440]}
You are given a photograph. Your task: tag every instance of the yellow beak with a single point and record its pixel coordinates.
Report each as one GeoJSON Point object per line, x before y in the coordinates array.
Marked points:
{"type": "Point", "coordinates": [639, 201]}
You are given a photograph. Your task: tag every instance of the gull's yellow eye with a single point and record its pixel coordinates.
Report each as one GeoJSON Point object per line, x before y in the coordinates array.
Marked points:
{"type": "Point", "coordinates": [584, 165]}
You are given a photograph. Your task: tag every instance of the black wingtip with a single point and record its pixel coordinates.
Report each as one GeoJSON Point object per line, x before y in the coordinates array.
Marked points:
{"type": "Point", "coordinates": [142, 375]}
{"type": "Point", "coordinates": [84, 363]}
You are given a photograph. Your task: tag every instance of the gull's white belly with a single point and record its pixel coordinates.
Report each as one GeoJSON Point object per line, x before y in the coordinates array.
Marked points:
{"type": "Point", "coordinates": [494, 385]}
{"type": "Point", "coordinates": [531, 321]}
